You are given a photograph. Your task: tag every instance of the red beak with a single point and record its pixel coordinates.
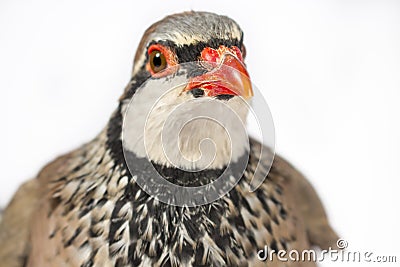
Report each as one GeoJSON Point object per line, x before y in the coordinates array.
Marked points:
{"type": "Point", "coordinates": [227, 77]}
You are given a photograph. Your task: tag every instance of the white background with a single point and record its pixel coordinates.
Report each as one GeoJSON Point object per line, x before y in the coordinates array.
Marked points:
{"type": "Point", "coordinates": [330, 71]}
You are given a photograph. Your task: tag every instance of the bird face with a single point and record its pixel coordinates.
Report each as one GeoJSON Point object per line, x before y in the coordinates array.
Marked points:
{"type": "Point", "coordinates": [189, 84]}
{"type": "Point", "coordinates": [225, 75]}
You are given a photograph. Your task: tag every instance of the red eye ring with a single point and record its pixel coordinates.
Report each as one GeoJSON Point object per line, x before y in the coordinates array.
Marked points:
{"type": "Point", "coordinates": [238, 52]}
{"type": "Point", "coordinates": [160, 58]}
{"type": "Point", "coordinates": [213, 55]}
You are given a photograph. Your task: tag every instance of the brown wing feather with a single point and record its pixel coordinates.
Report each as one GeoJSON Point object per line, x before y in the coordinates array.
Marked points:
{"type": "Point", "coordinates": [301, 195]}
{"type": "Point", "coordinates": [17, 219]}
{"type": "Point", "coordinates": [14, 227]}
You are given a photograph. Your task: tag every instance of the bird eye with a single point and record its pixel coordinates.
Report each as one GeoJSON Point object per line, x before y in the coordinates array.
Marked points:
{"type": "Point", "coordinates": [243, 51]}
{"type": "Point", "coordinates": [158, 62]}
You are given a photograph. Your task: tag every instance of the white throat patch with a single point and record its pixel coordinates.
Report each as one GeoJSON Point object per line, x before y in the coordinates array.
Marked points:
{"type": "Point", "coordinates": [172, 128]}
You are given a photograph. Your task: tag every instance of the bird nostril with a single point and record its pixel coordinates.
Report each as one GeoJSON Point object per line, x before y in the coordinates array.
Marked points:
{"type": "Point", "coordinates": [224, 97]}
{"type": "Point", "coordinates": [197, 92]}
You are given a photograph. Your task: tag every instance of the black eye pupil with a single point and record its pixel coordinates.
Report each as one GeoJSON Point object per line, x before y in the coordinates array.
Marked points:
{"type": "Point", "coordinates": [157, 61]}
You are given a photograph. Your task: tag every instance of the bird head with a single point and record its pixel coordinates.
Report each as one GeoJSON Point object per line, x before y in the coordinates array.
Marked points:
{"type": "Point", "coordinates": [188, 65]}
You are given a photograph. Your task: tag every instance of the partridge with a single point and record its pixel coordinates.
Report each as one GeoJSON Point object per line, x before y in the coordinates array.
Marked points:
{"type": "Point", "coordinates": [89, 207]}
